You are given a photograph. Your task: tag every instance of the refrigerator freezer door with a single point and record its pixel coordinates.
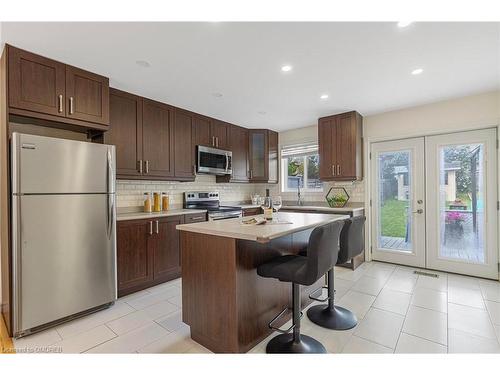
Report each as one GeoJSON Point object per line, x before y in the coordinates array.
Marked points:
{"type": "Point", "coordinates": [44, 165]}
{"type": "Point", "coordinates": [64, 256]}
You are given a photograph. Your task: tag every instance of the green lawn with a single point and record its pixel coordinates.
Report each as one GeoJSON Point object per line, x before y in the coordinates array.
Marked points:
{"type": "Point", "coordinates": [393, 214]}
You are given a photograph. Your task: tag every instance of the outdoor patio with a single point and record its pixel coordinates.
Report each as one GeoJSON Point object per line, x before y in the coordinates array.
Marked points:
{"type": "Point", "coordinates": [467, 246]}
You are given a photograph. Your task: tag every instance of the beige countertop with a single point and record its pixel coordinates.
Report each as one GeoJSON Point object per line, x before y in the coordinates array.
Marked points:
{"type": "Point", "coordinates": [305, 207]}
{"type": "Point", "coordinates": [145, 215]}
{"type": "Point", "coordinates": [233, 228]}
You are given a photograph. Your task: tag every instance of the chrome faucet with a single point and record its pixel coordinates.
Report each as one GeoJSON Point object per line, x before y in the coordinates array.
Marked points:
{"type": "Point", "coordinates": [299, 199]}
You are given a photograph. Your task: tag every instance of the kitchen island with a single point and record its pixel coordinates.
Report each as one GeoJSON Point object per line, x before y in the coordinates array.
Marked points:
{"type": "Point", "coordinates": [225, 303]}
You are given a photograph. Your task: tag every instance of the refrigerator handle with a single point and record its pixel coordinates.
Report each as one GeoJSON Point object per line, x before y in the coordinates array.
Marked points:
{"type": "Point", "coordinates": [111, 203]}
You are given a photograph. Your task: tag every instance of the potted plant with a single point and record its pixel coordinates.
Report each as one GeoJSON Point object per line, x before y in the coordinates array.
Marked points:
{"type": "Point", "coordinates": [337, 197]}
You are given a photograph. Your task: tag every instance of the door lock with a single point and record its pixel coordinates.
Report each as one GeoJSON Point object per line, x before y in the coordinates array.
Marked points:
{"type": "Point", "coordinates": [419, 211]}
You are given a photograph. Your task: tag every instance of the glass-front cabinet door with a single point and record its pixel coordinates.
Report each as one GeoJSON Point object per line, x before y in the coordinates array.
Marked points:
{"type": "Point", "coordinates": [259, 157]}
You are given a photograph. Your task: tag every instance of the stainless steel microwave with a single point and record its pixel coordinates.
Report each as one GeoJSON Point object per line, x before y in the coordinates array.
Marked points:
{"type": "Point", "coordinates": [213, 160]}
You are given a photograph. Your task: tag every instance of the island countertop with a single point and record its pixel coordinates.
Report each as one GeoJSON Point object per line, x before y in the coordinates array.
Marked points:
{"type": "Point", "coordinates": [290, 222]}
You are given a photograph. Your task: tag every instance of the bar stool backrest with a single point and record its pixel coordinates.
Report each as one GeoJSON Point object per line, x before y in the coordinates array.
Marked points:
{"type": "Point", "coordinates": [352, 241]}
{"type": "Point", "coordinates": [322, 250]}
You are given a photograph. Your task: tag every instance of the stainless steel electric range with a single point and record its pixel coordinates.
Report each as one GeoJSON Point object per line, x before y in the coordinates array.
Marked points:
{"type": "Point", "coordinates": [210, 201]}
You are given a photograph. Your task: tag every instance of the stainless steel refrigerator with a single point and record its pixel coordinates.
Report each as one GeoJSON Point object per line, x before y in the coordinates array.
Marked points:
{"type": "Point", "coordinates": [63, 229]}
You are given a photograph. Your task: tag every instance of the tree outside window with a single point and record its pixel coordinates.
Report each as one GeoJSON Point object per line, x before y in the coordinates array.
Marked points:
{"type": "Point", "coordinates": [303, 171]}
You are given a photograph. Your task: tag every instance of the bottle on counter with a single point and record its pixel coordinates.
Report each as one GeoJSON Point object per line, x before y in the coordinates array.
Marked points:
{"type": "Point", "coordinates": [147, 202]}
{"type": "Point", "coordinates": [165, 201]}
{"type": "Point", "coordinates": [156, 202]}
{"type": "Point", "coordinates": [268, 208]}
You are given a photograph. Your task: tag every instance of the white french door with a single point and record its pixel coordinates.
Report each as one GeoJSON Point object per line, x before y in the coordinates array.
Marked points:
{"type": "Point", "coordinates": [398, 219]}
{"type": "Point", "coordinates": [444, 218]}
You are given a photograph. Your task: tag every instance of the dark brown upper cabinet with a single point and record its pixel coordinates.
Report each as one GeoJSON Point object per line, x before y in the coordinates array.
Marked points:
{"type": "Point", "coordinates": [157, 139]}
{"type": "Point", "coordinates": [219, 131]}
{"type": "Point", "coordinates": [341, 147]}
{"type": "Point", "coordinates": [125, 132]}
{"type": "Point", "coordinates": [49, 90]}
{"type": "Point", "coordinates": [238, 145]}
{"type": "Point", "coordinates": [201, 132]}
{"type": "Point", "coordinates": [87, 96]}
{"type": "Point", "coordinates": [263, 155]}
{"type": "Point", "coordinates": [184, 166]}
{"type": "Point", "coordinates": [142, 131]}
{"type": "Point", "coordinates": [210, 132]}
{"type": "Point", "coordinates": [36, 84]}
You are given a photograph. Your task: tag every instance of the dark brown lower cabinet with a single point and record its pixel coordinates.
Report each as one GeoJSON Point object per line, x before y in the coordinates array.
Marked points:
{"type": "Point", "coordinates": [148, 252]}
{"type": "Point", "coordinates": [134, 261]}
{"type": "Point", "coordinates": [165, 248]}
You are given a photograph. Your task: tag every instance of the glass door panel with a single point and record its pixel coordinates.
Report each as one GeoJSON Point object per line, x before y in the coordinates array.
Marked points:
{"type": "Point", "coordinates": [394, 204]}
{"type": "Point", "coordinates": [461, 202]}
{"type": "Point", "coordinates": [398, 225]}
{"type": "Point", "coordinates": [461, 219]}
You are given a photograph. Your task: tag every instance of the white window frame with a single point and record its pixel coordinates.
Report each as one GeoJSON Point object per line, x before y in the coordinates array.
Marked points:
{"type": "Point", "coordinates": [301, 150]}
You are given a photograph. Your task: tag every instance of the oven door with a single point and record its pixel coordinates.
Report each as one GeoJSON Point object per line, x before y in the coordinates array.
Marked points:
{"type": "Point", "coordinates": [213, 161]}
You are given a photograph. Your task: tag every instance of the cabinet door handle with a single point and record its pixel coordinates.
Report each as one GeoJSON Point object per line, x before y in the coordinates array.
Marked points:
{"type": "Point", "coordinates": [140, 166]}
{"type": "Point", "coordinates": [60, 103]}
{"type": "Point", "coordinates": [71, 109]}
{"type": "Point", "coordinates": [251, 174]}
{"type": "Point", "coordinates": [150, 228]}
{"type": "Point", "coordinates": [338, 169]}
{"type": "Point", "coordinates": [217, 142]}
{"type": "Point", "coordinates": [157, 227]}
{"type": "Point", "coordinates": [333, 170]}
{"type": "Point", "coordinates": [147, 166]}
{"type": "Point", "coordinates": [197, 218]}
{"type": "Point", "coordinates": [213, 141]}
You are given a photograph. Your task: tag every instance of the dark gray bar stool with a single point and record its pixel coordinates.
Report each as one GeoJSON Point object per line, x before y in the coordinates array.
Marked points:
{"type": "Point", "coordinates": [300, 270]}
{"type": "Point", "coordinates": [351, 244]}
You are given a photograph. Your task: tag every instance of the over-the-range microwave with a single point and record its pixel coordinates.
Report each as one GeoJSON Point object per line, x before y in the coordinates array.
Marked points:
{"type": "Point", "coordinates": [213, 160]}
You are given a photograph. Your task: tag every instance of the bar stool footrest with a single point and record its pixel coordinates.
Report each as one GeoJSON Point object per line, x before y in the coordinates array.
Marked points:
{"type": "Point", "coordinates": [311, 296]}
{"type": "Point", "coordinates": [274, 328]}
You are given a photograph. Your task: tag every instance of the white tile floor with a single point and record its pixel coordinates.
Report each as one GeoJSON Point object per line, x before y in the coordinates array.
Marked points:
{"type": "Point", "coordinates": [399, 312]}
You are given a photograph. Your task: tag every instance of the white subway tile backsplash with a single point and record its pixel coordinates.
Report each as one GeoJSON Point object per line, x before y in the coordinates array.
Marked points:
{"type": "Point", "coordinates": [130, 193]}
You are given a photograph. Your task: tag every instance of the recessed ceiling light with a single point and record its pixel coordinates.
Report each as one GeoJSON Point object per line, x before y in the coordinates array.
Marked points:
{"type": "Point", "coordinates": [286, 68]}
{"type": "Point", "coordinates": [262, 113]}
{"type": "Point", "coordinates": [217, 95]}
{"type": "Point", "coordinates": [324, 96]}
{"type": "Point", "coordinates": [404, 23]}
{"type": "Point", "coordinates": [417, 71]}
{"type": "Point", "coordinates": [143, 63]}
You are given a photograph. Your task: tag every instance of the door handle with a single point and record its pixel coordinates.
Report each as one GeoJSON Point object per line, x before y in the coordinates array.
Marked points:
{"type": "Point", "coordinates": [419, 211]}
{"type": "Point", "coordinates": [157, 227]}
{"type": "Point", "coordinates": [333, 170]}
{"type": "Point", "coordinates": [147, 166]}
{"type": "Point", "coordinates": [217, 142]}
{"type": "Point", "coordinates": [150, 228]}
{"type": "Point", "coordinates": [71, 109]}
{"type": "Point", "coordinates": [227, 162]}
{"type": "Point", "coordinates": [213, 141]}
{"type": "Point", "coordinates": [338, 169]}
{"type": "Point", "coordinates": [251, 173]}
{"type": "Point", "coordinates": [60, 103]}
{"type": "Point", "coordinates": [140, 166]}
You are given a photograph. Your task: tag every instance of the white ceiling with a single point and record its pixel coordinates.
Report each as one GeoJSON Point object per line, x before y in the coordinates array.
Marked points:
{"type": "Point", "coordinates": [362, 66]}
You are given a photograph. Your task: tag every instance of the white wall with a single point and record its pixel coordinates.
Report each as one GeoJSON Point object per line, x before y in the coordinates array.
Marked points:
{"type": "Point", "coordinates": [470, 112]}
{"type": "Point", "coordinates": [2, 42]}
